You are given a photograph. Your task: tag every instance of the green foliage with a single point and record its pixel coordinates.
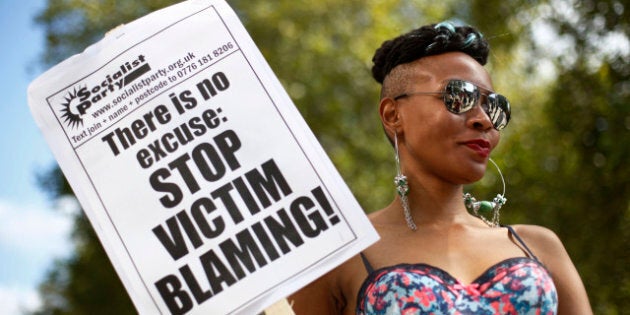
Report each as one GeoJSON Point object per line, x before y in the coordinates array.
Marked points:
{"type": "Point", "coordinates": [573, 157]}
{"type": "Point", "coordinates": [571, 176]}
{"type": "Point", "coordinates": [72, 25]}
{"type": "Point", "coordinates": [564, 156]}
{"type": "Point", "coordinates": [588, 111]}
{"type": "Point", "coordinates": [593, 117]}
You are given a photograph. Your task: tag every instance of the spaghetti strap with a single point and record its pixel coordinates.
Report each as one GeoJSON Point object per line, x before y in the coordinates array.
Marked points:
{"type": "Point", "coordinates": [367, 264]}
{"type": "Point", "coordinates": [518, 238]}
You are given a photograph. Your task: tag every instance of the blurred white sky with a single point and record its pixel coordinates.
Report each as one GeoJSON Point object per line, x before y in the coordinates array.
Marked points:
{"type": "Point", "coordinates": [31, 233]}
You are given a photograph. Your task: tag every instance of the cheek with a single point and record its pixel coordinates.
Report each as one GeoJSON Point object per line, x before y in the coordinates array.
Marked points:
{"type": "Point", "coordinates": [430, 121]}
{"type": "Point", "coordinates": [495, 138]}
{"type": "Point", "coordinates": [445, 125]}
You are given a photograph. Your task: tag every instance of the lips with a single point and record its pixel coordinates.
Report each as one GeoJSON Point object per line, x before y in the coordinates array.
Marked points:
{"type": "Point", "coordinates": [479, 146]}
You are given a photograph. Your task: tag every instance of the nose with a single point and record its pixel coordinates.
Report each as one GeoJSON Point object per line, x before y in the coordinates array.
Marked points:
{"type": "Point", "coordinates": [477, 118]}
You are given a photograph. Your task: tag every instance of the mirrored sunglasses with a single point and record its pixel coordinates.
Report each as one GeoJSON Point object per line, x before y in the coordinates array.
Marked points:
{"type": "Point", "coordinates": [460, 96]}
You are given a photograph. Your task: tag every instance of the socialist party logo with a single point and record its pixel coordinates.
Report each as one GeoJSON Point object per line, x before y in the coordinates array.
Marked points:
{"type": "Point", "coordinates": [79, 100]}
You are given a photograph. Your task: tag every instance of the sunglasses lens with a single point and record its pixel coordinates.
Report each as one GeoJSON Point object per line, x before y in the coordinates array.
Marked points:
{"type": "Point", "coordinates": [460, 96]}
{"type": "Point", "coordinates": [498, 109]}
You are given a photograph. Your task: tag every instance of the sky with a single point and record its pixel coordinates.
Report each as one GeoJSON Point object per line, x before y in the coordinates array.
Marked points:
{"type": "Point", "coordinates": [33, 229]}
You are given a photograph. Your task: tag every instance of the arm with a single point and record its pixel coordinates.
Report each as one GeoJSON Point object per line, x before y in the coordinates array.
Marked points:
{"type": "Point", "coordinates": [572, 297]}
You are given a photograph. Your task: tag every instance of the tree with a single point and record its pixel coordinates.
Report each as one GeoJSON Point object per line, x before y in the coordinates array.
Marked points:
{"type": "Point", "coordinates": [575, 157]}
{"type": "Point", "coordinates": [321, 52]}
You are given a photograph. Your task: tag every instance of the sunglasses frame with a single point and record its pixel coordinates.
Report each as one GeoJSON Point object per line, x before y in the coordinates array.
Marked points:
{"type": "Point", "coordinates": [499, 115]}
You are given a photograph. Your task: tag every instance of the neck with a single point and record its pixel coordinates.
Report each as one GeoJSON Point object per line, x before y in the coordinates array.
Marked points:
{"type": "Point", "coordinates": [437, 205]}
{"type": "Point", "coordinates": [434, 203]}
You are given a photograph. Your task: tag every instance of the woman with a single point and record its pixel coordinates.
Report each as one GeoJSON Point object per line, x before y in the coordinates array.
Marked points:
{"type": "Point", "coordinates": [434, 257]}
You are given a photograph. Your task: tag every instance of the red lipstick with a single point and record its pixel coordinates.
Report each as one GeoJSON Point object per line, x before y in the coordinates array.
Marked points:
{"type": "Point", "coordinates": [480, 146]}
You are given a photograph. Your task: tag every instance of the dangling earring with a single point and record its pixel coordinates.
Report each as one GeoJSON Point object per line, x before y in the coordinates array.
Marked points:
{"type": "Point", "coordinates": [402, 188]}
{"type": "Point", "coordinates": [484, 207]}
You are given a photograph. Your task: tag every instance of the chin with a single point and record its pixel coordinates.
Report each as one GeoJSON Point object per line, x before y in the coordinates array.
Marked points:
{"type": "Point", "coordinates": [474, 174]}
{"type": "Point", "coordinates": [470, 180]}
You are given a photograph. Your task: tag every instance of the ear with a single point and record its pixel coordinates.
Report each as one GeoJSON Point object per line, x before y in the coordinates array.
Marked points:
{"type": "Point", "coordinates": [390, 117]}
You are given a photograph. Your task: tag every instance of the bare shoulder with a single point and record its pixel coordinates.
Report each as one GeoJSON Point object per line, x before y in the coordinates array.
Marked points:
{"type": "Point", "coordinates": [330, 294]}
{"type": "Point", "coordinates": [377, 216]}
{"type": "Point", "coordinates": [546, 245]}
{"type": "Point", "coordinates": [336, 291]}
{"type": "Point", "coordinates": [572, 297]}
{"type": "Point", "coordinates": [541, 240]}
{"type": "Point", "coordinates": [536, 232]}
{"type": "Point", "coordinates": [384, 217]}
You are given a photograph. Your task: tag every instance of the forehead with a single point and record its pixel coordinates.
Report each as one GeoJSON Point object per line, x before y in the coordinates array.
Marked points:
{"type": "Point", "coordinates": [452, 65]}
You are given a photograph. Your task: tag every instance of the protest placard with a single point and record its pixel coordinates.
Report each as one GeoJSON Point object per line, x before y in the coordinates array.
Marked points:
{"type": "Point", "coordinates": [206, 187]}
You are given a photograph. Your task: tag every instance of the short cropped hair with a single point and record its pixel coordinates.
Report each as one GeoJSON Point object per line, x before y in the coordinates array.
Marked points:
{"type": "Point", "coordinates": [428, 40]}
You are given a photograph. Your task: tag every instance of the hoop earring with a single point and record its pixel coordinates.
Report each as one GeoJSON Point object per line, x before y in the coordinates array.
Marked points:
{"type": "Point", "coordinates": [481, 208]}
{"type": "Point", "coordinates": [402, 188]}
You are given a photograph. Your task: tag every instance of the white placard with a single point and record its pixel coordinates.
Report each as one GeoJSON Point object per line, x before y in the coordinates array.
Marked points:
{"type": "Point", "coordinates": [207, 189]}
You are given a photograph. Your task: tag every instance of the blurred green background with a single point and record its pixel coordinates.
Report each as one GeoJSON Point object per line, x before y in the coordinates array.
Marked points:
{"type": "Point", "coordinates": [563, 64]}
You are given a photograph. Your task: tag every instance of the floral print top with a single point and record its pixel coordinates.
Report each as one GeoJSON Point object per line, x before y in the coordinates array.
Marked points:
{"type": "Point", "coordinates": [519, 285]}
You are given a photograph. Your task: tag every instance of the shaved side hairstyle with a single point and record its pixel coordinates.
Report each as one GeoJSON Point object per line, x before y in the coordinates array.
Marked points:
{"type": "Point", "coordinates": [425, 41]}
